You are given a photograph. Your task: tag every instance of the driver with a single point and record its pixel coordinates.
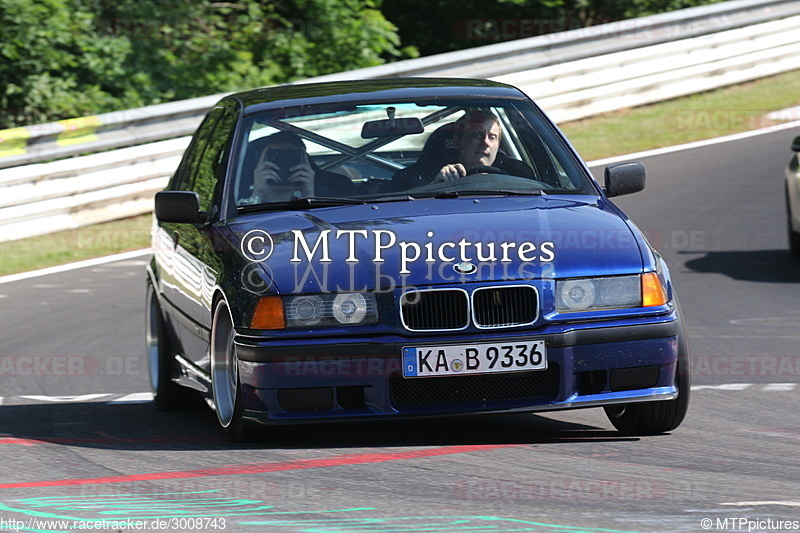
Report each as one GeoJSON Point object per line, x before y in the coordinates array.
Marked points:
{"type": "Point", "coordinates": [475, 142]}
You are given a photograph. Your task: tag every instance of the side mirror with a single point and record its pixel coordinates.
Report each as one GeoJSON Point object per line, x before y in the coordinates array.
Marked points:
{"type": "Point", "coordinates": [624, 178]}
{"type": "Point", "coordinates": [179, 206]}
{"type": "Point", "coordinates": [796, 144]}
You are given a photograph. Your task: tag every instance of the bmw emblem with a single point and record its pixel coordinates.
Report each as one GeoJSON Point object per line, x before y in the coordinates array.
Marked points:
{"type": "Point", "coordinates": [465, 267]}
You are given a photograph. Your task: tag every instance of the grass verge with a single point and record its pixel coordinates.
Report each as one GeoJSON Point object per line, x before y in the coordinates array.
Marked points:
{"type": "Point", "coordinates": [692, 118]}
{"type": "Point", "coordinates": [74, 245]}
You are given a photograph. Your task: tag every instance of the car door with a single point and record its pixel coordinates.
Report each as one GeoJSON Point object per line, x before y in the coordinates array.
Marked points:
{"type": "Point", "coordinates": [189, 279]}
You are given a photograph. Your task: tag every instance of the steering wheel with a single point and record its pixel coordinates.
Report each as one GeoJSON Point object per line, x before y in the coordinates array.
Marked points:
{"type": "Point", "coordinates": [484, 169]}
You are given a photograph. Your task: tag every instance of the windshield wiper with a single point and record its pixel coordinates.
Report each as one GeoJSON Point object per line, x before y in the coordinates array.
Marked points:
{"type": "Point", "coordinates": [294, 203]}
{"type": "Point", "coordinates": [398, 198]}
{"type": "Point", "coordinates": [488, 192]}
{"type": "Point", "coordinates": [323, 201]}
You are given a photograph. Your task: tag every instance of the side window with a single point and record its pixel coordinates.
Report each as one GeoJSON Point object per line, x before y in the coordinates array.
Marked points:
{"type": "Point", "coordinates": [184, 177]}
{"type": "Point", "coordinates": [210, 169]}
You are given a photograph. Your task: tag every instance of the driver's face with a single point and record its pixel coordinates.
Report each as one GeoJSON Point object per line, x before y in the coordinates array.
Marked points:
{"type": "Point", "coordinates": [479, 144]}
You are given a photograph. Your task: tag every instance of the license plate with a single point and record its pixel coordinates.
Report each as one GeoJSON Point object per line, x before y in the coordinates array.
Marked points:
{"type": "Point", "coordinates": [485, 358]}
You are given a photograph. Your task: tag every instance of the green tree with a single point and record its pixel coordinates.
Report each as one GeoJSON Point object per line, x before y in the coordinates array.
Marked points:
{"type": "Point", "coordinates": [66, 58]}
{"type": "Point", "coordinates": [54, 65]}
{"type": "Point", "coordinates": [437, 26]}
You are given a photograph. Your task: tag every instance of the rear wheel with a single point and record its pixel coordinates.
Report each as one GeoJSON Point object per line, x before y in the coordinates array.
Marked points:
{"type": "Point", "coordinates": [225, 384]}
{"type": "Point", "coordinates": [652, 418]}
{"type": "Point", "coordinates": [167, 395]}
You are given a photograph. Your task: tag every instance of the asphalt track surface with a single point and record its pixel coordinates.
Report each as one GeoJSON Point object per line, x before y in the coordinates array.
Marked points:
{"type": "Point", "coordinates": [77, 443]}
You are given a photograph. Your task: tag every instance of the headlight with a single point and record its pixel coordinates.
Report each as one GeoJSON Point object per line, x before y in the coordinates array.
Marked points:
{"type": "Point", "coordinates": [613, 292]}
{"type": "Point", "coordinates": [316, 310]}
{"type": "Point", "coordinates": [576, 295]}
{"type": "Point", "coordinates": [305, 310]}
{"type": "Point", "coordinates": [350, 308]}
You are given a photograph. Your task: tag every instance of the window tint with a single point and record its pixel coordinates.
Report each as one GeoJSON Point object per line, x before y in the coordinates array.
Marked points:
{"type": "Point", "coordinates": [383, 148]}
{"type": "Point", "coordinates": [209, 170]}
{"type": "Point", "coordinates": [183, 180]}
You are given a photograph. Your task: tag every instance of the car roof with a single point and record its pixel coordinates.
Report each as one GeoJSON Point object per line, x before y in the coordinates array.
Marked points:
{"type": "Point", "coordinates": [266, 98]}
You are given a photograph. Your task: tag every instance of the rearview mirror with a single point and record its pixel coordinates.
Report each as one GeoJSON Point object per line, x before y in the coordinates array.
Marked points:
{"type": "Point", "coordinates": [179, 206]}
{"type": "Point", "coordinates": [624, 178]}
{"type": "Point", "coordinates": [392, 127]}
{"type": "Point", "coordinates": [796, 144]}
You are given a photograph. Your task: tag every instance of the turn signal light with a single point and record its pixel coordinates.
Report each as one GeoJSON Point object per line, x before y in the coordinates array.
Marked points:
{"type": "Point", "coordinates": [268, 314]}
{"type": "Point", "coordinates": [653, 292]}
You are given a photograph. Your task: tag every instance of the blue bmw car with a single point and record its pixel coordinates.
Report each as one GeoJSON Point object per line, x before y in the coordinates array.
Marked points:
{"type": "Point", "coordinates": [404, 248]}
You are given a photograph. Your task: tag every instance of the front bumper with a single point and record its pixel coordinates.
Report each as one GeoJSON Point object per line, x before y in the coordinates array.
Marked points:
{"type": "Point", "coordinates": [589, 364]}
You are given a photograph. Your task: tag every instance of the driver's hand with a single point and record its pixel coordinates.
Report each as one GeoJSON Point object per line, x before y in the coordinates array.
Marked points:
{"type": "Point", "coordinates": [450, 173]}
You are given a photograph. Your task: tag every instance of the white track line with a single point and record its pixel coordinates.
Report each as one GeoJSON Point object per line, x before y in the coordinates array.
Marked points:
{"type": "Point", "coordinates": [65, 399]}
{"type": "Point", "coordinates": [73, 266]}
{"type": "Point", "coordinates": [134, 397]}
{"type": "Point", "coordinates": [764, 503]}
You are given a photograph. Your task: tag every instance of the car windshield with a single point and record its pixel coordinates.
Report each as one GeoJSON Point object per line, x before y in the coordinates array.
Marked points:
{"type": "Point", "coordinates": [400, 151]}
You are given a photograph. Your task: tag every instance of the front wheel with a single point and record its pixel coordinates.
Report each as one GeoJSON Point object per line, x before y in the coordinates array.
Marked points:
{"type": "Point", "coordinates": [225, 384]}
{"type": "Point", "coordinates": [652, 418]}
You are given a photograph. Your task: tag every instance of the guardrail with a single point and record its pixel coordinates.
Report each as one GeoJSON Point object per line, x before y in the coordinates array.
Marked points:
{"type": "Point", "coordinates": [587, 87]}
{"type": "Point", "coordinates": [571, 74]}
{"type": "Point", "coordinates": [46, 197]}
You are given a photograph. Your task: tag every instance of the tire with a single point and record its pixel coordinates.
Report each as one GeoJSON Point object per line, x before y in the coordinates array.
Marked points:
{"type": "Point", "coordinates": [794, 242]}
{"type": "Point", "coordinates": [225, 385]}
{"type": "Point", "coordinates": [653, 418]}
{"type": "Point", "coordinates": [794, 237]}
{"type": "Point", "coordinates": [167, 395]}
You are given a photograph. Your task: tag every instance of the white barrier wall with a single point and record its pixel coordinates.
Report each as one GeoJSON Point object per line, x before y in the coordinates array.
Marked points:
{"type": "Point", "coordinates": [591, 86]}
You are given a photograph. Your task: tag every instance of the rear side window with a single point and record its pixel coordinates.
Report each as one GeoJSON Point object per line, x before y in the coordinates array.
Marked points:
{"type": "Point", "coordinates": [209, 168]}
{"type": "Point", "coordinates": [184, 177]}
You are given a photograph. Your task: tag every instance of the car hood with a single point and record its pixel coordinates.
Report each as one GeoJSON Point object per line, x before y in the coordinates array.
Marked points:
{"type": "Point", "coordinates": [429, 242]}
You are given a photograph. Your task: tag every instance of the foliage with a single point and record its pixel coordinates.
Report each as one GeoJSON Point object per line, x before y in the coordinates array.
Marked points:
{"type": "Point", "coordinates": [50, 57]}
{"type": "Point", "coordinates": [67, 58]}
{"type": "Point", "coordinates": [437, 26]}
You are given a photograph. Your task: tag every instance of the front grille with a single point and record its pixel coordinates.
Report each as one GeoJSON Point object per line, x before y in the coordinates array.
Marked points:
{"type": "Point", "coordinates": [449, 309]}
{"type": "Point", "coordinates": [505, 306]}
{"type": "Point", "coordinates": [435, 310]}
{"type": "Point", "coordinates": [471, 389]}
